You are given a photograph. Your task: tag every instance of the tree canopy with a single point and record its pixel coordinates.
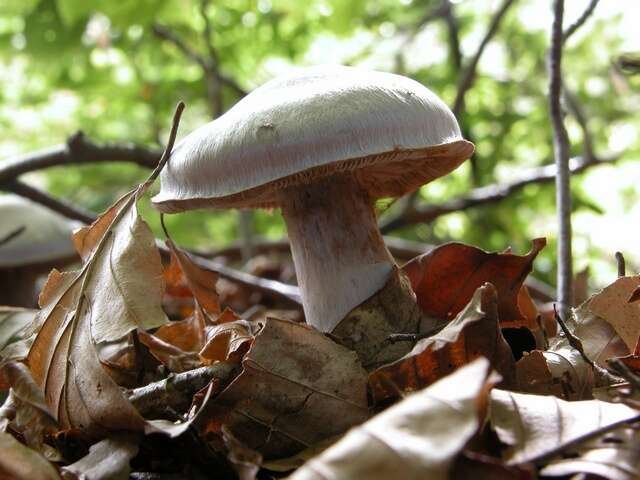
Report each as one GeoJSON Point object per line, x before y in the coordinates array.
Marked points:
{"type": "Point", "coordinates": [115, 70]}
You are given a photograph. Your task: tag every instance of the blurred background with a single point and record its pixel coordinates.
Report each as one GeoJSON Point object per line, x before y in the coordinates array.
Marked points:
{"type": "Point", "coordinates": [116, 69]}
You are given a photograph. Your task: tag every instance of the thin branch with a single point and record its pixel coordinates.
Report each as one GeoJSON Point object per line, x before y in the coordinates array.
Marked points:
{"type": "Point", "coordinates": [467, 79]}
{"type": "Point", "coordinates": [487, 194]}
{"type": "Point", "coordinates": [208, 32]}
{"type": "Point", "coordinates": [59, 206]}
{"type": "Point", "coordinates": [170, 36]}
{"type": "Point", "coordinates": [561, 154]}
{"type": "Point", "coordinates": [580, 21]}
{"type": "Point", "coordinates": [578, 113]}
{"type": "Point", "coordinates": [77, 150]}
{"type": "Point", "coordinates": [176, 391]}
{"type": "Point", "coordinates": [453, 31]}
{"type": "Point", "coordinates": [622, 269]}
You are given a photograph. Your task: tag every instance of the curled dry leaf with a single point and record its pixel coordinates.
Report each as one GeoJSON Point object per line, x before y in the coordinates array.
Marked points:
{"type": "Point", "coordinates": [19, 462]}
{"type": "Point", "coordinates": [297, 387]}
{"type": "Point", "coordinates": [118, 289]}
{"type": "Point", "coordinates": [537, 426]}
{"type": "Point", "coordinates": [473, 333]}
{"type": "Point", "coordinates": [107, 460]}
{"type": "Point", "coordinates": [15, 325]}
{"type": "Point", "coordinates": [186, 279]}
{"type": "Point", "coordinates": [28, 413]}
{"type": "Point", "coordinates": [614, 455]}
{"type": "Point", "coordinates": [612, 305]}
{"type": "Point", "coordinates": [228, 339]}
{"type": "Point", "coordinates": [419, 437]}
{"type": "Point", "coordinates": [195, 341]}
{"type": "Point", "coordinates": [446, 278]}
{"type": "Point", "coordinates": [561, 370]}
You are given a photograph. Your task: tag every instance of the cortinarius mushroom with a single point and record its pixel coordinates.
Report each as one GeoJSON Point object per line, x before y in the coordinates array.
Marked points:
{"type": "Point", "coordinates": [33, 240]}
{"type": "Point", "coordinates": [323, 145]}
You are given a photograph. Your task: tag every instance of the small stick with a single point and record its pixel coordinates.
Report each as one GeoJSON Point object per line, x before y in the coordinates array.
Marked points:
{"type": "Point", "coordinates": [573, 340]}
{"type": "Point", "coordinates": [622, 270]}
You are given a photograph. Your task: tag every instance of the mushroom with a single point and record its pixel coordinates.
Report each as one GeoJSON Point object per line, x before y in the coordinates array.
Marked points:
{"type": "Point", "coordinates": [33, 240]}
{"type": "Point", "coordinates": [322, 144]}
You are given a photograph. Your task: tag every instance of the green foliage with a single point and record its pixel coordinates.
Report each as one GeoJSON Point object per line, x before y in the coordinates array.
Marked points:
{"type": "Point", "coordinates": [98, 66]}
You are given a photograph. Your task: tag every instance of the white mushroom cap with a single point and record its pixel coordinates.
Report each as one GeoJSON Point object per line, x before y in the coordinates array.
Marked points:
{"type": "Point", "coordinates": [391, 131]}
{"type": "Point", "coordinates": [46, 236]}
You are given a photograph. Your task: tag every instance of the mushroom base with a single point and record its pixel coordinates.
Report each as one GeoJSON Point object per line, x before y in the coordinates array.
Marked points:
{"type": "Point", "coordinates": [340, 257]}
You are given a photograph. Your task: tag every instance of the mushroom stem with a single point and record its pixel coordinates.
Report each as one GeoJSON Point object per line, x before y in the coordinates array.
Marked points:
{"type": "Point", "coordinates": [339, 254]}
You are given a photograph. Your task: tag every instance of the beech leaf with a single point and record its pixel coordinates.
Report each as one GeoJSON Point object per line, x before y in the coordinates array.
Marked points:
{"type": "Point", "coordinates": [446, 278]}
{"type": "Point", "coordinates": [297, 387]}
{"type": "Point", "coordinates": [419, 437]}
{"type": "Point", "coordinates": [535, 426]}
{"type": "Point", "coordinates": [612, 304]}
{"type": "Point", "coordinates": [473, 333]}
{"type": "Point", "coordinates": [19, 462]}
{"type": "Point", "coordinates": [183, 274]}
{"type": "Point", "coordinates": [613, 455]}
{"type": "Point", "coordinates": [107, 460]}
{"type": "Point", "coordinates": [119, 288]}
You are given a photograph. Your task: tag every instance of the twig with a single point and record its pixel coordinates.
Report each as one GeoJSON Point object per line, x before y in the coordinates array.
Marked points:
{"type": "Point", "coordinates": [578, 113]}
{"type": "Point", "coordinates": [77, 150]}
{"type": "Point", "coordinates": [580, 21]}
{"type": "Point", "coordinates": [621, 370]}
{"type": "Point", "coordinates": [176, 391]}
{"type": "Point", "coordinates": [272, 287]}
{"type": "Point", "coordinates": [168, 35]}
{"type": "Point", "coordinates": [622, 270]}
{"type": "Point", "coordinates": [561, 154]}
{"type": "Point", "coordinates": [11, 235]}
{"type": "Point", "coordinates": [59, 206]}
{"type": "Point", "coordinates": [467, 79]}
{"type": "Point", "coordinates": [453, 31]}
{"type": "Point", "coordinates": [574, 341]}
{"type": "Point", "coordinates": [487, 194]}
{"type": "Point", "coordinates": [166, 154]}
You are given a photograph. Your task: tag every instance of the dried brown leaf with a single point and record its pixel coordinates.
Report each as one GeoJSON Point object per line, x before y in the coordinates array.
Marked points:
{"type": "Point", "coordinates": [15, 341]}
{"type": "Point", "coordinates": [417, 438]}
{"type": "Point", "coordinates": [119, 288]}
{"type": "Point", "coordinates": [19, 462]}
{"type": "Point", "coordinates": [536, 426]}
{"type": "Point", "coordinates": [473, 333]}
{"type": "Point", "coordinates": [296, 388]}
{"type": "Point", "coordinates": [185, 278]}
{"type": "Point", "coordinates": [612, 305]}
{"type": "Point", "coordinates": [446, 278]}
{"type": "Point", "coordinates": [29, 415]}
{"type": "Point", "coordinates": [614, 455]}
{"type": "Point", "coordinates": [107, 460]}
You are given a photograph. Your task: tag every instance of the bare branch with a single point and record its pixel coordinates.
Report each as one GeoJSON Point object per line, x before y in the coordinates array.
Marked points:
{"type": "Point", "coordinates": [578, 113]}
{"type": "Point", "coordinates": [467, 79]}
{"type": "Point", "coordinates": [78, 150]}
{"type": "Point", "coordinates": [176, 391]}
{"type": "Point", "coordinates": [170, 36]}
{"type": "Point", "coordinates": [59, 206]}
{"type": "Point", "coordinates": [487, 194]}
{"type": "Point", "coordinates": [210, 68]}
{"type": "Point", "coordinates": [580, 21]}
{"type": "Point", "coordinates": [208, 32]}
{"type": "Point", "coordinates": [453, 30]}
{"type": "Point", "coordinates": [561, 154]}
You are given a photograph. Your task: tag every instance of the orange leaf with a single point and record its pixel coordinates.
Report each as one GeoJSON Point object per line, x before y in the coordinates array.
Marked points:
{"type": "Point", "coordinates": [473, 333]}
{"type": "Point", "coordinates": [201, 283]}
{"type": "Point", "coordinates": [446, 278]}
